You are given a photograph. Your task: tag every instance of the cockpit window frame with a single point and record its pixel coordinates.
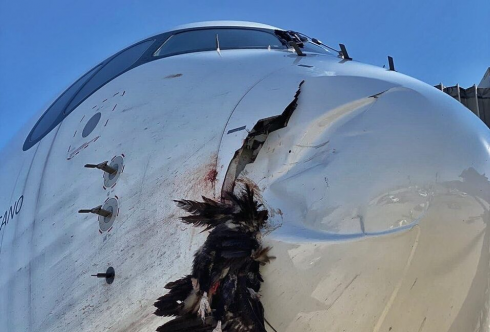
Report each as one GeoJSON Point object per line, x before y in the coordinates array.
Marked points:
{"type": "Point", "coordinates": [148, 56]}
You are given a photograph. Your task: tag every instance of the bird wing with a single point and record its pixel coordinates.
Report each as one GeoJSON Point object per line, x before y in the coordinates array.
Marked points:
{"type": "Point", "coordinates": [225, 247]}
{"type": "Point", "coordinates": [208, 213]}
{"type": "Point", "coordinates": [182, 298]}
{"type": "Point", "coordinates": [226, 267]}
{"type": "Point", "coordinates": [248, 313]}
{"type": "Point", "coordinates": [188, 323]}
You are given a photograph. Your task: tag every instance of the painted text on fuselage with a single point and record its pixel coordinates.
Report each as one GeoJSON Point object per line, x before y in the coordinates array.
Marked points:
{"type": "Point", "coordinates": [11, 212]}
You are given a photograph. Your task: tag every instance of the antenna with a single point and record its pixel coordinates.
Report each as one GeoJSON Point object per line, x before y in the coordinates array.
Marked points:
{"type": "Point", "coordinates": [345, 55]}
{"type": "Point", "coordinates": [391, 63]}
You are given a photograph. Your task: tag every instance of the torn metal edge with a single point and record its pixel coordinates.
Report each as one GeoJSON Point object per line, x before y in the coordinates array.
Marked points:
{"type": "Point", "coordinates": [254, 141]}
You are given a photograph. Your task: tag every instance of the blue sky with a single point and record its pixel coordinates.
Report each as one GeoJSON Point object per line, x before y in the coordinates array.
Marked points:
{"type": "Point", "coordinates": [46, 46]}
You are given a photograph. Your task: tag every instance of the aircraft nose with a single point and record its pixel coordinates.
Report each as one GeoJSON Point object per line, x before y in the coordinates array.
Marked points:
{"type": "Point", "coordinates": [379, 206]}
{"type": "Point", "coordinates": [363, 157]}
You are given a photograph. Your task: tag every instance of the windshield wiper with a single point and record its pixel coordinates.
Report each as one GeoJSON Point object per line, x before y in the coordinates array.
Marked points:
{"type": "Point", "coordinates": [342, 52]}
{"type": "Point", "coordinates": [291, 38]}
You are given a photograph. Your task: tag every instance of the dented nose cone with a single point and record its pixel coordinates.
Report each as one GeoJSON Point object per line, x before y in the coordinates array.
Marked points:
{"type": "Point", "coordinates": [380, 206]}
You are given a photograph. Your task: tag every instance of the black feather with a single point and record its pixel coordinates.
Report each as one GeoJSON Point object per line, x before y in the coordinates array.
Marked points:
{"type": "Point", "coordinates": [188, 323]}
{"type": "Point", "coordinates": [226, 267]}
{"type": "Point", "coordinates": [172, 303]}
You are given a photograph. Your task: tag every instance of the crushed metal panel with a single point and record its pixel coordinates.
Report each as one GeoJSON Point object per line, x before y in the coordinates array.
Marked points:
{"type": "Point", "coordinates": [267, 99]}
{"type": "Point", "coordinates": [332, 145]}
{"type": "Point", "coordinates": [254, 141]}
{"type": "Point", "coordinates": [371, 178]}
{"type": "Point", "coordinates": [276, 93]}
{"type": "Point", "coordinates": [324, 106]}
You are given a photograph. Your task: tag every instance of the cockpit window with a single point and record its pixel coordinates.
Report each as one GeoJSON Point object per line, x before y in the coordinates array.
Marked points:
{"type": "Point", "coordinates": [119, 64]}
{"type": "Point", "coordinates": [211, 39]}
{"type": "Point", "coordinates": [83, 88]}
{"type": "Point", "coordinates": [50, 118]}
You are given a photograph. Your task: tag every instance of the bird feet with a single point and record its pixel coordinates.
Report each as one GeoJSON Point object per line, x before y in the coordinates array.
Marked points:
{"type": "Point", "coordinates": [218, 327]}
{"type": "Point", "coordinates": [204, 307]}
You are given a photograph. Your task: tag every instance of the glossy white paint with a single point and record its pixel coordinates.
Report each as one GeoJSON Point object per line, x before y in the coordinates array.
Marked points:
{"type": "Point", "coordinates": [376, 188]}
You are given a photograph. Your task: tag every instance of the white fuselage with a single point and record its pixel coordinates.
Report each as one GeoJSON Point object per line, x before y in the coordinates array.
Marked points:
{"type": "Point", "coordinates": [376, 189]}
